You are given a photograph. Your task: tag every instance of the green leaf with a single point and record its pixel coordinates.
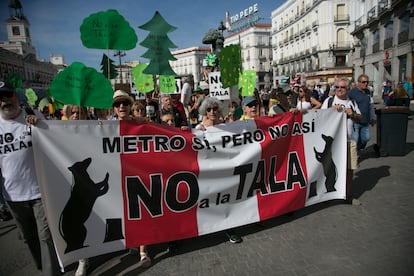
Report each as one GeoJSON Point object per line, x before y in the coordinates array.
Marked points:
{"type": "Point", "coordinates": [16, 81]}
{"type": "Point", "coordinates": [83, 86]}
{"type": "Point", "coordinates": [107, 30]}
{"type": "Point", "coordinates": [31, 96]}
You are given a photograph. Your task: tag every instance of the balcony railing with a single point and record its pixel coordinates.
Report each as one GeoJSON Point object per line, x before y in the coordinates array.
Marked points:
{"type": "Point", "coordinates": [383, 6]}
{"type": "Point", "coordinates": [341, 46]}
{"type": "Point", "coordinates": [372, 14]}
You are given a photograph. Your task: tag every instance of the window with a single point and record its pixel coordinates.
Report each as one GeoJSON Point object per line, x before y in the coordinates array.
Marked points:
{"type": "Point", "coordinates": [389, 30]}
{"type": "Point", "coordinates": [375, 37]}
{"type": "Point", "coordinates": [404, 23]}
{"type": "Point", "coordinates": [16, 30]}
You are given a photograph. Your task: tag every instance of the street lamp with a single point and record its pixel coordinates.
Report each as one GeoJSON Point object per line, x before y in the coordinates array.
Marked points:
{"type": "Point", "coordinates": [221, 27]}
{"type": "Point", "coordinates": [120, 54]}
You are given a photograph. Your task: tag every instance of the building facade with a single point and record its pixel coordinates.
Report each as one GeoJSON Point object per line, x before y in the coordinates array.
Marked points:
{"type": "Point", "coordinates": [256, 51]}
{"type": "Point", "coordinates": [384, 30]}
{"type": "Point", "coordinates": [18, 56]}
{"type": "Point", "coordinates": [190, 62]}
{"type": "Point", "coordinates": [312, 39]}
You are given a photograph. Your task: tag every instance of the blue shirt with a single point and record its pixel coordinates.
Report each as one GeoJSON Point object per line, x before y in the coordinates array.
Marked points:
{"type": "Point", "coordinates": [364, 103]}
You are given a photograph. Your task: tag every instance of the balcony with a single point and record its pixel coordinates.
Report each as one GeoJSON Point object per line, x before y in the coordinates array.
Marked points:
{"type": "Point", "coordinates": [341, 46]}
{"type": "Point", "coordinates": [388, 43]}
{"type": "Point", "coordinates": [372, 14]}
{"type": "Point", "coordinates": [341, 19]}
{"type": "Point", "coordinates": [383, 6]}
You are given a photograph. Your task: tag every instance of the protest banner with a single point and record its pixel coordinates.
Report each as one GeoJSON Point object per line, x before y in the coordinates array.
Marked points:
{"type": "Point", "coordinates": [111, 185]}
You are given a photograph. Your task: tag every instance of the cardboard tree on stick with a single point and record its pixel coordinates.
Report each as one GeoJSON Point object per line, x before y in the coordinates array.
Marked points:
{"type": "Point", "coordinates": [108, 67]}
{"type": "Point", "coordinates": [102, 30]}
{"type": "Point", "coordinates": [158, 45]}
{"type": "Point", "coordinates": [83, 86]}
{"type": "Point", "coordinates": [230, 63]}
{"type": "Point", "coordinates": [107, 30]}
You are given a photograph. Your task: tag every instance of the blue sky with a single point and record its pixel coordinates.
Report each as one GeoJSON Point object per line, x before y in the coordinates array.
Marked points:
{"type": "Point", "coordinates": [54, 25]}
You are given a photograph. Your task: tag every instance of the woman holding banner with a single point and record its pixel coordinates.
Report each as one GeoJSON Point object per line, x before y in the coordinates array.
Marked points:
{"type": "Point", "coordinates": [211, 109]}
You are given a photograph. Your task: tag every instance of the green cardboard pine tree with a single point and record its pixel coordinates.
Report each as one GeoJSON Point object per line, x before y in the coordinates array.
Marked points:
{"type": "Point", "coordinates": [108, 67]}
{"type": "Point", "coordinates": [158, 45]}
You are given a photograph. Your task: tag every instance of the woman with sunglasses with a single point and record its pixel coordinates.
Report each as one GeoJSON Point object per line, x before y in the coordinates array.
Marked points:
{"type": "Point", "coordinates": [305, 101]}
{"type": "Point", "coordinates": [211, 110]}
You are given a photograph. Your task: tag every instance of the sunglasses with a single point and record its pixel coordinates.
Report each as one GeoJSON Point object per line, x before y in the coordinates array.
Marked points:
{"type": "Point", "coordinates": [363, 81]}
{"type": "Point", "coordinates": [342, 87]}
{"type": "Point", "coordinates": [75, 111]}
{"type": "Point", "coordinates": [124, 103]}
{"type": "Point", "coordinates": [6, 95]}
{"type": "Point", "coordinates": [167, 121]}
{"type": "Point", "coordinates": [212, 108]}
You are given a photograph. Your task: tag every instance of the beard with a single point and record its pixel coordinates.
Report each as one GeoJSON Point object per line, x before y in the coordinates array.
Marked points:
{"type": "Point", "coordinates": [9, 111]}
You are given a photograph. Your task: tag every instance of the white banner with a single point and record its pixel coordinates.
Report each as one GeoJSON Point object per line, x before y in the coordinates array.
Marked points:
{"type": "Point", "coordinates": [110, 185]}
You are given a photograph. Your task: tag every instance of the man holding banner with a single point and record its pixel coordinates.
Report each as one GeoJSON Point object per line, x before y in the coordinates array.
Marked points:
{"type": "Point", "coordinates": [20, 187]}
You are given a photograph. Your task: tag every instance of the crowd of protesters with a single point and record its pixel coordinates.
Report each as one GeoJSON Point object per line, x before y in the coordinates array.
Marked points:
{"type": "Point", "coordinates": [192, 109]}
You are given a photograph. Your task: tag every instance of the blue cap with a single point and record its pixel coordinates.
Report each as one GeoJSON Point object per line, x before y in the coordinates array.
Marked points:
{"type": "Point", "coordinates": [248, 100]}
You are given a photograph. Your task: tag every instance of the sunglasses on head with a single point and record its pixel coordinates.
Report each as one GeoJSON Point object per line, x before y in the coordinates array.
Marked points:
{"type": "Point", "coordinates": [124, 103]}
{"type": "Point", "coordinates": [6, 95]}
{"type": "Point", "coordinates": [215, 108]}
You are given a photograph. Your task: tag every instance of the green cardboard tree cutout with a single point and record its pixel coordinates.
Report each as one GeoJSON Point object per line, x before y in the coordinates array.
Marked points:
{"type": "Point", "coordinates": [107, 30]}
{"type": "Point", "coordinates": [31, 96]}
{"type": "Point", "coordinates": [158, 45]}
{"type": "Point", "coordinates": [247, 82]}
{"type": "Point", "coordinates": [108, 67]}
{"type": "Point", "coordinates": [230, 62]}
{"type": "Point", "coordinates": [167, 84]}
{"type": "Point", "coordinates": [81, 85]}
{"type": "Point", "coordinates": [143, 82]}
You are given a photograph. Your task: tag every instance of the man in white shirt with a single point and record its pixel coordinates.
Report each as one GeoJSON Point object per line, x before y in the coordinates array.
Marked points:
{"type": "Point", "coordinates": [341, 102]}
{"type": "Point", "coordinates": [20, 187]}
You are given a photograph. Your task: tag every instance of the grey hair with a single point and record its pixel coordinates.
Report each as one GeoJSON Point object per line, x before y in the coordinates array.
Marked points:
{"type": "Point", "coordinates": [210, 102]}
{"type": "Point", "coordinates": [345, 80]}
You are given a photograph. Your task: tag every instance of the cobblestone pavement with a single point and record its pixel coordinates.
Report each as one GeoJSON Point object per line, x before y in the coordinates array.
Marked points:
{"type": "Point", "coordinates": [332, 238]}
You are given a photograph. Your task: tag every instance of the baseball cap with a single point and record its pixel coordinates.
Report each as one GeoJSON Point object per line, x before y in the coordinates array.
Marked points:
{"type": "Point", "coordinates": [6, 87]}
{"type": "Point", "coordinates": [248, 100]}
